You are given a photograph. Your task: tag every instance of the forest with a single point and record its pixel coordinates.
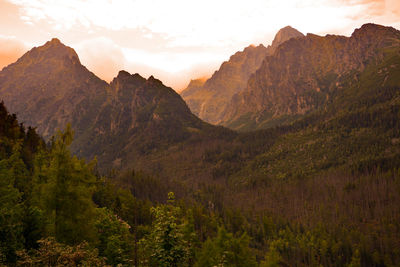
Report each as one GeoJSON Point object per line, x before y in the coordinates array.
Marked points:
{"type": "Point", "coordinates": [134, 178]}
{"type": "Point", "coordinates": [58, 210]}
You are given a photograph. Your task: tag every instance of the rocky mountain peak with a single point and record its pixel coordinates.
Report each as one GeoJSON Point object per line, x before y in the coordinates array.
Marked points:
{"type": "Point", "coordinates": [126, 81]}
{"type": "Point", "coordinates": [53, 50]}
{"type": "Point", "coordinates": [209, 100]}
{"type": "Point", "coordinates": [122, 74]}
{"type": "Point", "coordinates": [197, 82]}
{"type": "Point", "coordinates": [303, 73]}
{"type": "Point", "coordinates": [55, 41]}
{"type": "Point", "coordinates": [193, 86]}
{"type": "Point", "coordinates": [373, 31]}
{"type": "Point", "coordinates": [126, 76]}
{"type": "Point", "coordinates": [48, 87]}
{"type": "Point", "coordinates": [154, 80]}
{"type": "Point", "coordinates": [285, 34]}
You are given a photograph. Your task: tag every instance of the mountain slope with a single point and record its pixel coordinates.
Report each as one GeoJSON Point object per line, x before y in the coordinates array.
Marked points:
{"type": "Point", "coordinates": [302, 75]}
{"type": "Point", "coordinates": [209, 100]}
{"type": "Point", "coordinates": [48, 87]}
{"type": "Point", "coordinates": [142, 124]}
{"type": "Point", "coordinates": [139, 116]}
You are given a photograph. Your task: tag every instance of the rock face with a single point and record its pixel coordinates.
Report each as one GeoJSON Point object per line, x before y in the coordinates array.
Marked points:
{"type": "Point", "coordinates": [139, 115]}
{"type": "Point", "coordinates": [193, 97]}
{"type": "Point", "coordinates": [210, 100]}
{"type": "Point", "coordinates": [48, 88]}
{"type": "Point", "coordinates": [283, 35]}
{"type": "Point", "coordinates": [302, 73]}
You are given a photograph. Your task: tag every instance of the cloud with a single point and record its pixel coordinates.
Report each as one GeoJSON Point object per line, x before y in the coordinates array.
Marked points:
{"type": "Point", "coordinates": [185, 22]}
{"type": "Point", "coordinates": [170, 38]}
{"type": "Point", "coordinates": [101, 56]}
{"type": "Point", "coordinates": [206, 23]}
{"type": "Point", "coordinates": [105, 58]}
{"type": "Point", "coordinates": [177, 80]}
{"type": "Point", "coordinates": [10, 50]}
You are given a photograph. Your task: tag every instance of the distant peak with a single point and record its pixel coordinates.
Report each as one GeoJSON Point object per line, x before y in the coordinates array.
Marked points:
{"type": "Point", "coordinates": [53, 49]}
{"type": "Point", "coordinates": [55, 41]}
{"type": "Point", "coordinates": [285, 34]}
{"type": "Point", "coordinates": [152, 79]}
{"type": "Point", "coordinates": [372, 28]}
{"type": "Point", "coordinates": [197, 82]}
{"type": "Point", "coordinates": [137, 76]}
{"type": "Point", "coordinates": [155, 81]}
{"type": "Point", "coordinates": [288, 28]}
{"type": "Point", "coordinates": [123, 73]}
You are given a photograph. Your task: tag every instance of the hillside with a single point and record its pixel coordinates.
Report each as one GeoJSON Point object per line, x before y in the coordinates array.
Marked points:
{"type": "Point", "coordinates": [139, 123]}
{"type": "Point", "coordinates": [208, 101]}
{"type": "Point", "coordinates": [49, 87]}
{"type": "Point", "coordinates": [303, 74]}
{"type": "Point", "coordinates": [139, 117]}
{"type": "Point", "coordinates": [321, 187]}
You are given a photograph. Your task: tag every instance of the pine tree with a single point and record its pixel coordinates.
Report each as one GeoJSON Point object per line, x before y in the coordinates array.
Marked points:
{"type": "Point", "coordinates": [64, 188]}
{"type": "Point", "coordinates": [11, 227]}
{"type": "Point", "coordinates": [168, 243]}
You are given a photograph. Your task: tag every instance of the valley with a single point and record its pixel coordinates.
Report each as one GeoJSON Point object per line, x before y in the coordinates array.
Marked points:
{"type": "Point", "coordinates": [289, 155]}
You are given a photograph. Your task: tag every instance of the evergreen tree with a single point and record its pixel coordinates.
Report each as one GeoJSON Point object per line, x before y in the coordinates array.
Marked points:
{"type": "Point", "coordinates": [64, 188]}
{"type": "Point", "coordinates": [115, 242]}
{"type": "Point", "coordinates": [168, 243]}
{"type": "Point", "coordinates": [11, 238]}
{"type": "Point", "coordinates": [226, 250]}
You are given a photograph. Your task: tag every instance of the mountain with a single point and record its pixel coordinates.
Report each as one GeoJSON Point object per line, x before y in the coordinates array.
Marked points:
{"type": "Point", "coordinates": [139, 116]}
{"type": "Point", "coordinates": [209, 101]}
{"type": "Point", "coordinates": [140, 123]}
{"type": "Point", "coordinates": [299, 189]}
{"type": "Point", "coordinates": [283, 35]}
{"type": "Point", "coordinates": [302, 75]}
{"type": "Point", "coordinates": [49, 87]}
{"type": "Point", "coordinates": [190, 94]}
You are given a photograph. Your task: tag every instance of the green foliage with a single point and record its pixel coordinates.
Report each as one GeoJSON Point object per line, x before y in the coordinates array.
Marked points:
{"type": "Point", "coordinates": [170, 239]}
{"type": "Point", "coordinates": [272, 258]}
{"type": "Point", "coordinates": [323, 190]}
{"type": "Point", "coordinates": [114, 238]}
{"type": "Point", "coordinates": [63, 190]}
{"type": "Point", "coordinates": [11, 211]}
{"type": "Point", "coordinates": [226, 250]}
{"type": "Point", "coordinates": [52, 253]}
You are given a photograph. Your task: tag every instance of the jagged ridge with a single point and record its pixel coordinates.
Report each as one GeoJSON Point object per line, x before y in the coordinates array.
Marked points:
{"type": "Point", "coordinates": [210, 100]}
{"type": "Point", "coordinates": [302, 74]}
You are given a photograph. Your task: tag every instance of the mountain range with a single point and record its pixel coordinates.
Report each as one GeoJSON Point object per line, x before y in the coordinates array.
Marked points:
{"type": "Point", "coordinates": [311, 177]}
{"type": "Point", "coordinates": [303, 74]}
{"type": "Point", "coordinates": [48, 88]}
{"type": "Point", "coordinates": [133, 122]}
{"type": "Point", "coordinates": [208, 101]}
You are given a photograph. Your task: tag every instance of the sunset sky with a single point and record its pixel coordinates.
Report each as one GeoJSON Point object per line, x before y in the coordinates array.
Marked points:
{"type": "Point", "coordinates": [174, 40]}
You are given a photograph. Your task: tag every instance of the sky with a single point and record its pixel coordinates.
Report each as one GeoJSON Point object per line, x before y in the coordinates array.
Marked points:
{"type": "Point", "coordinates": [173, 40]}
